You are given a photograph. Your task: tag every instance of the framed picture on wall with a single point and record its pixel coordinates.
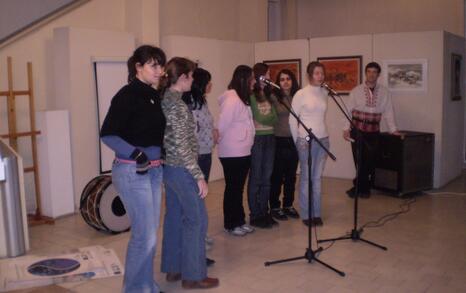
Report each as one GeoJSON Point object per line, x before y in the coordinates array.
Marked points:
{"type": "Point", "coordinates": [456, 80]}
{"type": "Point", "coordinates": [342, 73]}
{"type": "Point", "coordinates": [292, 64]}
{"type": "Point", "coordinates": [406, 75]}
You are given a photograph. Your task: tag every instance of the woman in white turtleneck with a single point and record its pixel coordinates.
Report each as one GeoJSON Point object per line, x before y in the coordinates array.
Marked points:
{"type": "Point", "coordinates": [310, 104]}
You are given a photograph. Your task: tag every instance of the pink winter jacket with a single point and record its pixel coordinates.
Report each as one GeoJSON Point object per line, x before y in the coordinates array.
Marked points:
{"type": "Point", "coordinates": [235, 126]}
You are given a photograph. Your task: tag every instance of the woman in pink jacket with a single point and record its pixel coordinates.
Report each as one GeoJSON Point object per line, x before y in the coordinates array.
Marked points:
{"type": "Point", "coordinates": [236, 130]}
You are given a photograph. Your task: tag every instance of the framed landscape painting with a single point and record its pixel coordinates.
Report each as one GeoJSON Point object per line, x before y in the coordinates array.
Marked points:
{"type": "Point", "coordinates": [408, 75]}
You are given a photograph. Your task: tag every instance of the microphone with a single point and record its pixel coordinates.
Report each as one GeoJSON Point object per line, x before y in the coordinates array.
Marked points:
{"type": "Point", "coordinates": [330, 90]}
{"type": "Point", "coordinates": [268, 82]}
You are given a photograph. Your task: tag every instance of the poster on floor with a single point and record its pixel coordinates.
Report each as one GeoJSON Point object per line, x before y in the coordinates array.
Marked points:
{"type": "Point", "coordinates": [93, 262]}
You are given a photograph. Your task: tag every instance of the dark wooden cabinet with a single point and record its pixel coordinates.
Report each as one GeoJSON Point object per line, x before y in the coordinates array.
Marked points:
{"type": "Point", "coordinates": [405, 164]}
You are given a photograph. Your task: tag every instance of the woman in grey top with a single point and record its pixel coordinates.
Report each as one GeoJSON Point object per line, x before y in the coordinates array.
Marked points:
{"type": "Point", "coordinates": [206, 133]}
{"type": "Point", "coordinates": [286, 155]}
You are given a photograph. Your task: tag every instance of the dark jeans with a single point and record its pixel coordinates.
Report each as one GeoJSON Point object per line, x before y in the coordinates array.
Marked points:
{"type": "Point", "coordinates": [235, 171]}
{"type": "Point", "coordinates": [366, 171]}
{"type": "Point", "coordinates": [205, 162]}
{"type": "Point", "coordinates": [284, 172]}
{"type": "Point", "coordinates": [262, 155]}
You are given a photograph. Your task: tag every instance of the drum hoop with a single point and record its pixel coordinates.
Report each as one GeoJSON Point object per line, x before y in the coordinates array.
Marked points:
{"type": "Point", "coordinates": [84, 194]}
{"type": "Point", "coordinates": [85, 203]}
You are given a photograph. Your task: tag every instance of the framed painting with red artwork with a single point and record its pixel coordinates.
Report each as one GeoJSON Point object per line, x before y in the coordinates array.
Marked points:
{"type": "Point", "coordinates": [276, 65]}
{"type": "Point", "coordinates": [342, 73]}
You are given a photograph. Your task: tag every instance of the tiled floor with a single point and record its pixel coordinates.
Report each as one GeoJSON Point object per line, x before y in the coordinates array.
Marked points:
{"type": "Point", "coordinates": [426, 248]}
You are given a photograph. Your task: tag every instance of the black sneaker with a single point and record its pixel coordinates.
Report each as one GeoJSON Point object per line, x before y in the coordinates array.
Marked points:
{"type": "Point", "coordinates": [351, 192]}
{"type": "Point", "coordinates": [306, 222]}
{"type": "Point", "coordinates": [317, 221]}
{"type": "Point", "coordinates": [261, 223]}
{"type": "Point", "coordinates": [365, 194]}
{"type": "Point", "coordinates": [270, 220]}
{"type": "Point", "coordinates": [279, 214]}
{"type": "Point", "coordinates": [209, 262]}
{"type": "Point", "coordinates": [291, 212]}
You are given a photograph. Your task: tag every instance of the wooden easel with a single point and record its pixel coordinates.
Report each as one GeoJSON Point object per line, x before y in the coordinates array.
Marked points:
{"type": "Point", "coordinates": [13, 134]}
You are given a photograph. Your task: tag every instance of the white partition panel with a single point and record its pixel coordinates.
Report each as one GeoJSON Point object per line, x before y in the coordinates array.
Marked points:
{"type": "Point", "coordinates": [360, 45]}
{"type": "Point", "coordinates": [55, 167]}
{"type": "Point", "coordinates": [419, 111]}
{"type": "Point", "coordinates": [111, 74]}
{"type": "Point", "coordinates": [284, 50]}
{"type": "Point", "coordinates": [220, 58]}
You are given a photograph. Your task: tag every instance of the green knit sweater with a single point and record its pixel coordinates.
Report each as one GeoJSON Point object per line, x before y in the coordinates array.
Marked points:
{"type": "Point", "coordinates": [265, 116]}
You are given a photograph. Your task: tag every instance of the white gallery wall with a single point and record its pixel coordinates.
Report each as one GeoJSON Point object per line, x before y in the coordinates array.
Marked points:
{"type": "Point", "coordinates": [37, 47]}
{"type": "Point", "coordinates": [280, 50]}
{"type": "Point", "coordinates": [75, 91]}
{"type": "Point", "coordinates": [418, 111]}
{"type": "Point", "coordinates": [453, 156]}
{"type": "Point", "coordinates": [220, 58]}
{"type": "Point", "coordinates": [343, 167]}
{"type": "Point", "coordinates": [429, 111]}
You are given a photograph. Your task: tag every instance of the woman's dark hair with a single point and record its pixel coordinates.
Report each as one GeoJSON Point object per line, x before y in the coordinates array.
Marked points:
{"type": "Point", "coordinates": [143, 55]}
{"type": "Point", "coordinates": [176, 67]}
{"type": "Point", "coordinates": [294, 83]}
{"type": "Point", "coordinates": [196, 97]}
{"type": "Point", "coordinates": [312, 65]}
{"type": "Point", "coordinates": [240, 82]}
{"type": "Point", "coordinates": [373, 65]}
{"type": "Point", "coordinates": [260, 69]}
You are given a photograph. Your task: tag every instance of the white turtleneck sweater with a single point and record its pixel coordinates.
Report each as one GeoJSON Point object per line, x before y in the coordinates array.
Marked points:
{"type": "Point", "coordinates": [310, 104]}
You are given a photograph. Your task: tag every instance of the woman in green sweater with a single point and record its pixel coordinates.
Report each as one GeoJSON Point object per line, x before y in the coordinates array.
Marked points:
{"type": "Point", "coordinates": [263, 151]}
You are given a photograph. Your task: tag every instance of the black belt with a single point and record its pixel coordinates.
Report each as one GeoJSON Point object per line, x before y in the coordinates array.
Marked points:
{"type": "Point", "coordinates": [366, 122]}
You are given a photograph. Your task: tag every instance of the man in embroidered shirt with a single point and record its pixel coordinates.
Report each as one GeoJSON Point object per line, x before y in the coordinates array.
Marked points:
{"type": "Point", "coordinates": [368, 103]}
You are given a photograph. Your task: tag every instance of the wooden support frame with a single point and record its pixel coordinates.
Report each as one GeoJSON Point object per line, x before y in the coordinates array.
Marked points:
{"type": "Point", "coordinates": [13, 133]}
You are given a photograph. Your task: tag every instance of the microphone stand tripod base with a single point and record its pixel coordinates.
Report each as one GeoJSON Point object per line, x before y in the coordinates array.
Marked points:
{"type": "Point", "coordinates": [310, 256]}
{"type": "Point", "coordinates": [355, 236]}
{"type": "Point", "coordinates": [355, 232]}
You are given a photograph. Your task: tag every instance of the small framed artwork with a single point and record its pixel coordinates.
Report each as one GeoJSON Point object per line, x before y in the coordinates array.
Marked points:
{"type": "Point", "coordinates": [405, 75]}
{"type": "Point", "coordinates": [456, 61]}
{"type": "Point", "coordinates": [291, 64]}
{"type": "Point", "coordinates": [342, 73]}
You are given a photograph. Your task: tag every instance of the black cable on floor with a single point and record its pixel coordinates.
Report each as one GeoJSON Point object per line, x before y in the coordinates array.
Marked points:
{"type": "Point", "coordinates": [405, 207]}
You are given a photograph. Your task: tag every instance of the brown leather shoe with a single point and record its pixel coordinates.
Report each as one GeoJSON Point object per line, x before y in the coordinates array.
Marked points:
{"type": "Point", "coordinates": [207, 283]}
{"type": "Point", "coordinates": [173, 277]}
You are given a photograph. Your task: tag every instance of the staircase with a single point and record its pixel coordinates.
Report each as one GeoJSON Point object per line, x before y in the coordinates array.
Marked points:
{"type": "Point", "coordinates": [19, 17]}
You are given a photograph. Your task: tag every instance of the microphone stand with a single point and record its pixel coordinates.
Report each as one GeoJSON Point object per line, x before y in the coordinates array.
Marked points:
{"type": "Point", "coordinates": [355, 232]}
{"type": "Point", "coordinates": [310, 254]}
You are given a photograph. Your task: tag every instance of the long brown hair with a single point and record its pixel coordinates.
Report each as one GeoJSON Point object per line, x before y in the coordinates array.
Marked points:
{"type": "Point", "coordinates": [240, 83]}
{"type": "Point", "coordinates": [294, 83]}
{"type": "Point", "coordinates": [260, 69]}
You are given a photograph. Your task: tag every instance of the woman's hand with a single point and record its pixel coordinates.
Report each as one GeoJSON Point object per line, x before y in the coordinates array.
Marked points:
{"type": "Point", "coordinates": [215, 135]}
{"type": "Point", "coordinates": [346, 135]}
{"type": "Point", "coordinates": [203, 188]}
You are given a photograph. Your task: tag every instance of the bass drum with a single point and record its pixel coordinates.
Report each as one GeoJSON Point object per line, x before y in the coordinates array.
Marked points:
{"type": "Point", "coordinates": [102, 208]}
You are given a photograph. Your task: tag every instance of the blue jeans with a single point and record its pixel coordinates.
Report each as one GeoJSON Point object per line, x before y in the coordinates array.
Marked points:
{"type": "Point", "coordinates": [318, 157]}
{"type": "Point", "coordinates": [141, 196]}
{"type": "Point", "coordinates": [185, 226]}
{"type": "Point", "coordinates": [262, 157]}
